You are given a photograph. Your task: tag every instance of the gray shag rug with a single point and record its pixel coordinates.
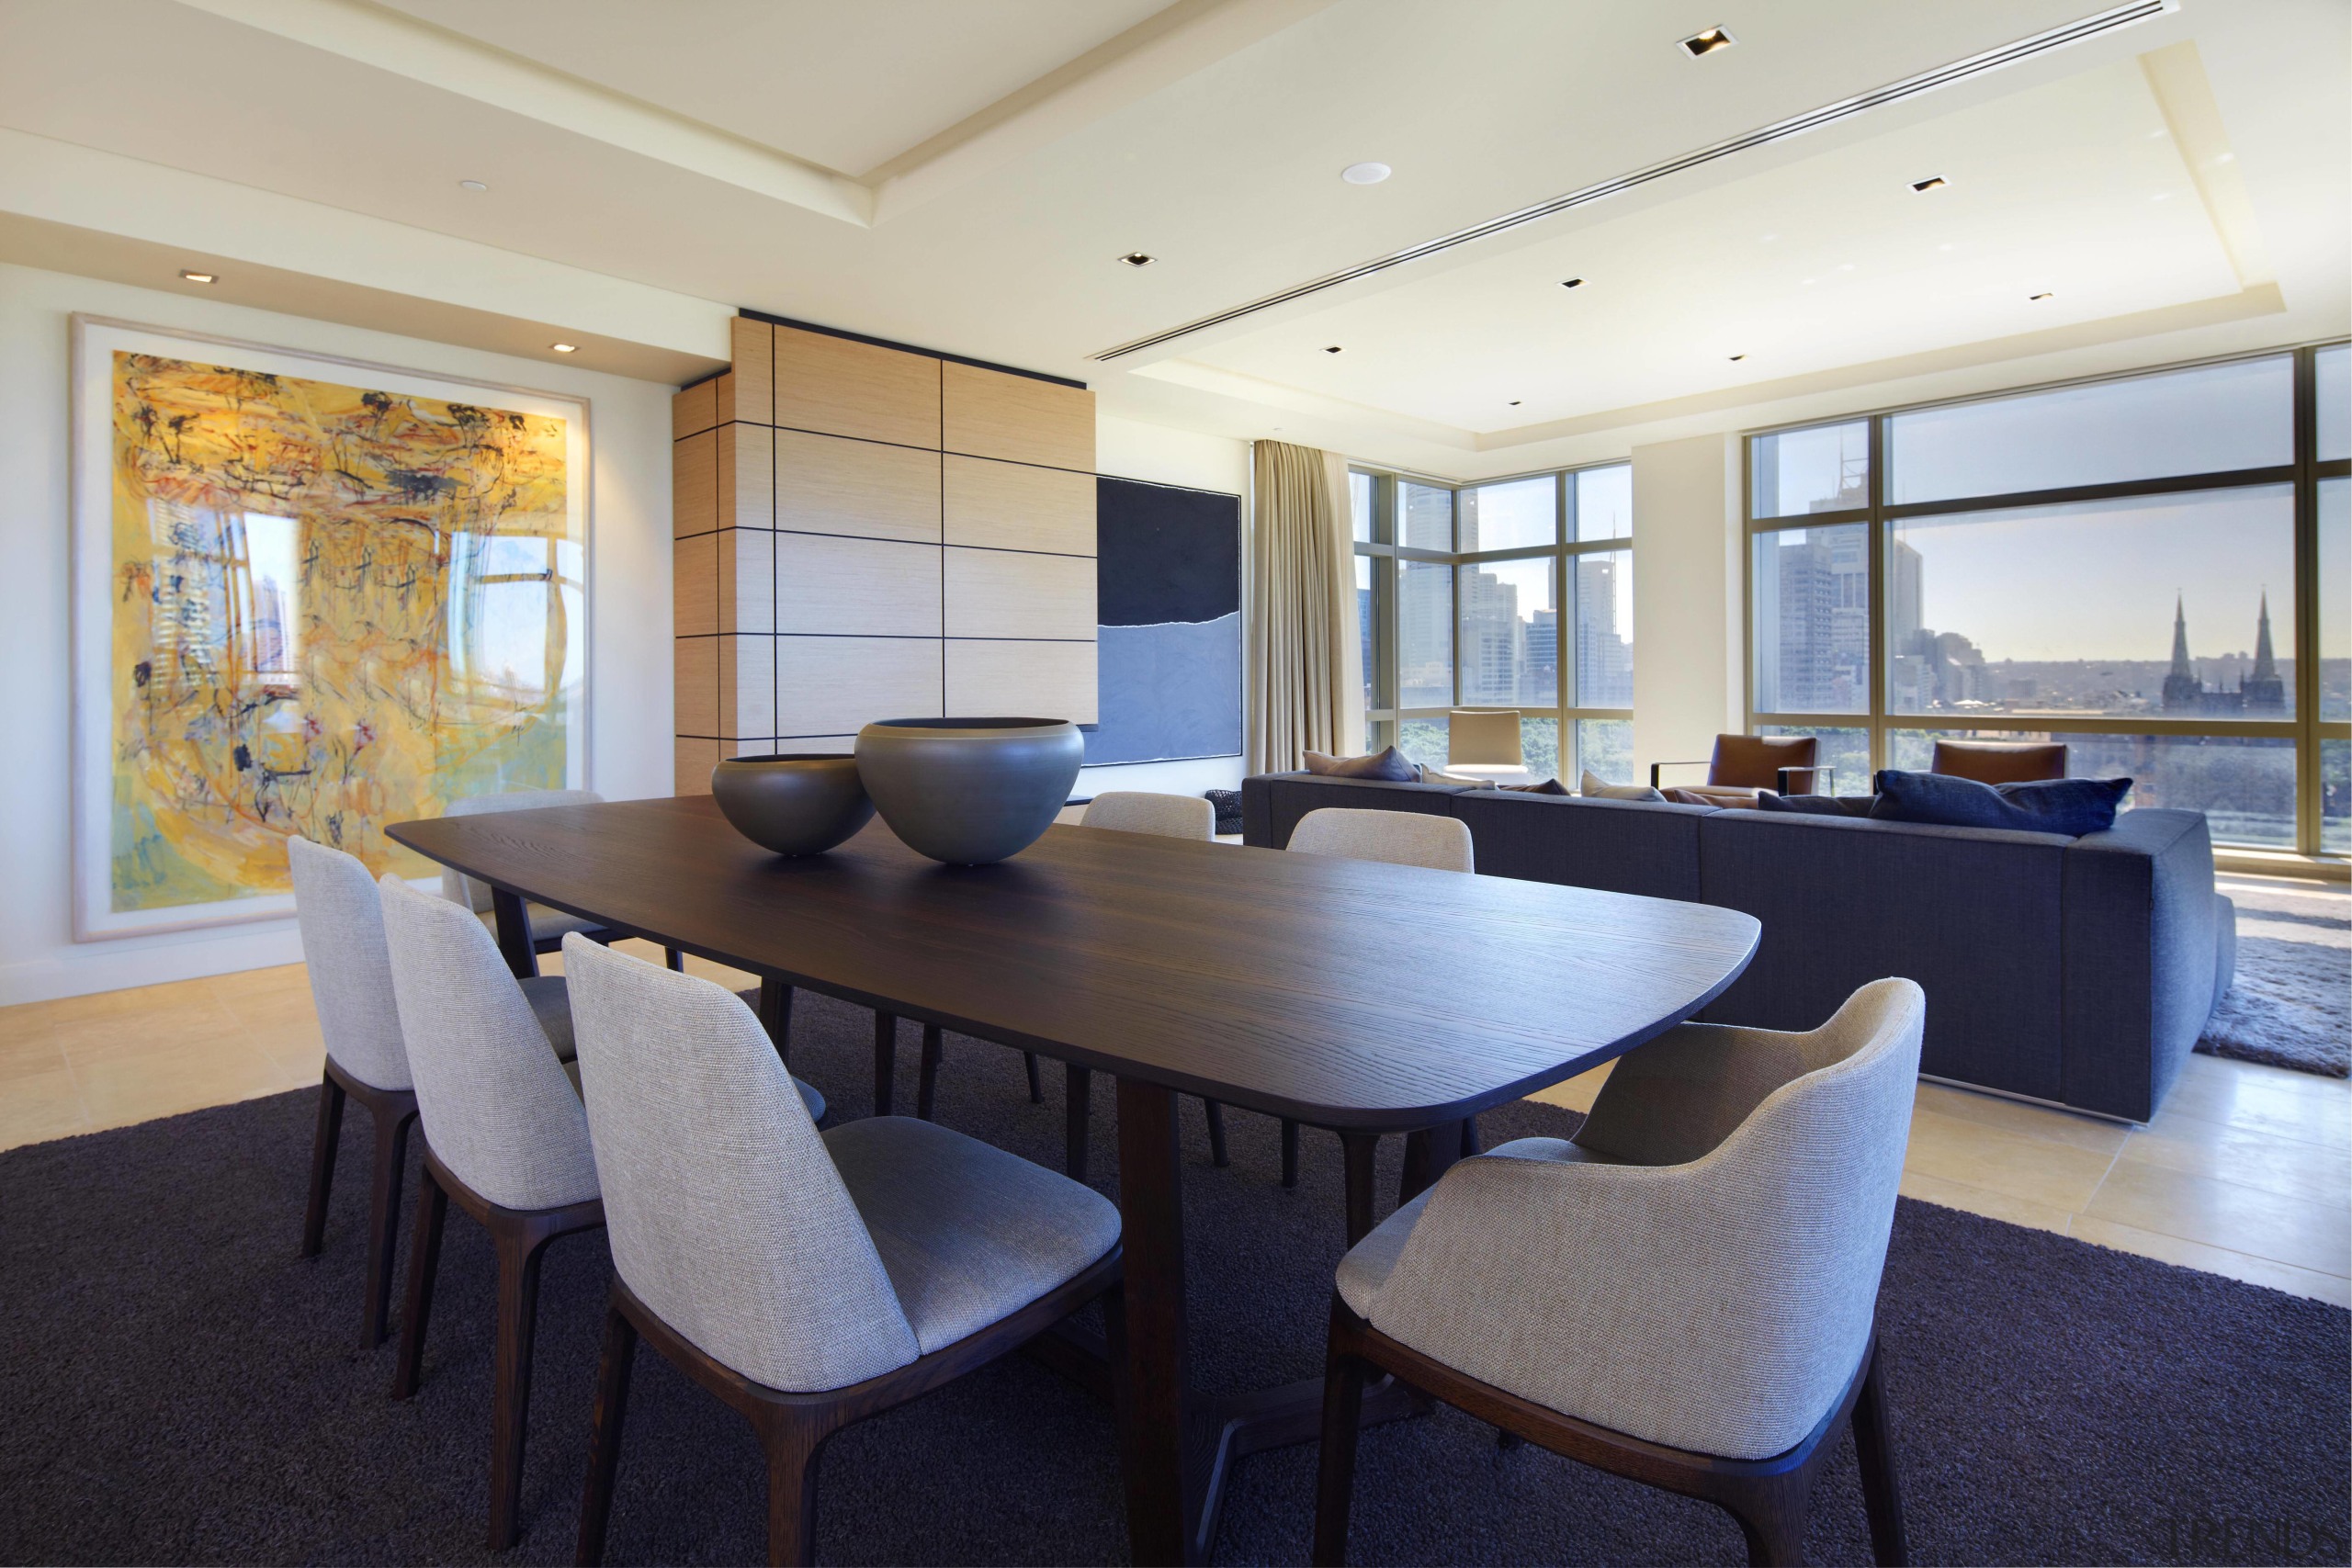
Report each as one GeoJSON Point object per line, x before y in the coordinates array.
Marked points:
{"type": "Point", "coordinates": [2291, 1006]}
{"type": "Point", "coordinates": [179, 1386]}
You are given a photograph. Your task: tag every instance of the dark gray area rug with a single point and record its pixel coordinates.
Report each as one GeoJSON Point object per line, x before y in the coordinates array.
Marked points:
{"type": "Point", "coordinates": [179, 1386]}
{"type": "Point", "coordinates": [2291, 1006]}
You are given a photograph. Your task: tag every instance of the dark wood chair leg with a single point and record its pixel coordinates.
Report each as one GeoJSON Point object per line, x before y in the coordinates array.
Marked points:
{"type": "Point", "coordinates": [792, 1442]}
{"type": "Point", "coordinates": [1361, 1150]}
{"type": "Point", "coordinates": [885, 1060]}
{"type": "Point", "coordinates": [675, 959]}
{"type": "Point", "coordinates": [520, 1249]}
{"type": "Point", "coordinates": [384, 1220]}
{"type": "Point", "coordinates": [604, 1435]}
{"type": "Point", "coordinates": [1335, 1476]}
{"type": "Point", "coordinates": [1875, 1447]}
{"type": "Point", "coordinates": [323, 1143]}
{"type": "Point", "coordinates": [1216, 1113]}
{"type": "Point", "coordinates": [1771, 1516]}
{"type": "Point", "coordinates": [423, 1263]}
{"type": "Point", "coordinates": [934, 1044]}
{"type": "Point", "coordinates": [1077, 1111]}
{"type": "Point", "coordinates": [1289, 1151]}
{"type": "Point", "coordinates": [1036, 1084]}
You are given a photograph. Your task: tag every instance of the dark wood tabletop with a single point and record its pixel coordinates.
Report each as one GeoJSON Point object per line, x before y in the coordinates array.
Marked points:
{"type": "Point", "coordinates": [1340, 993]}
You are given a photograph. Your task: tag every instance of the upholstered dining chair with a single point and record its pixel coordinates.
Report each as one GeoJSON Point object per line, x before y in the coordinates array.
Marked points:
{"type": "Point", "coordinates": [1744, 766]}
{"type": "Point", "coordinates": [2000, 762]}
{"type": "Point", "coordinates": [504, 1135]}
{"type": "Point", "coordinates": [1399, 837]}
{"type": "Point", "coordinates": [1684, 1294]}
{"type": "Point", "coordinates": [340, 914]}
{"type": "Point", "coordinates": [1120, 811]}
{"type": "Point", "coordinates": [548, 925]}
{"type": "Point", "coordinates": [808, 1280]}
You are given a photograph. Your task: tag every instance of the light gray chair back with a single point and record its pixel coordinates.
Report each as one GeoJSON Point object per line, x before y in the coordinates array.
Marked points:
{"type": "Point", "coordinates": [459, 889]}
{"type": "Point", "coordinates": [1401, 838]}
{"type": "Point", "coordinates": [1720, 1303]}
{"type": "Point", "coordinates": [727, 1214]}
{"type": "Point", "coordinates": [1135, 812]}
{"type": "Point", "coordinates": [498, 1107]}
{"type": "Point", "coordinates": [342, 917]}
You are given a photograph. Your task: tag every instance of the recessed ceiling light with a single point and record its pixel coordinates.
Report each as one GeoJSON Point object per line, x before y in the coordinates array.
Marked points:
{"type": "Point", "coordinates": [1708, 43]}
{"type": "Point", "coordinates": [200, 277]}
{"type": "Point", "coordinates": [471, 184]}
{"type": "Point", "coordinates": [1572, 283]}
{"type": "Point", "coordinates": [1138, 259]}
{"type": "Point", "coordinates": [1333, 349]}
{"type": "Point", "coordinates": [2045, 293]}
{"type": "Point", "coordinates": [565, 347]}
{"type": "Point", "coordinates": [1933, 182]}
{"type": "Point", "coordinates": [1364, 173]}
{"type": "Point", "coordinates": [1515, 402]}
{"type": "Point", "coordinates": [1737, 357]}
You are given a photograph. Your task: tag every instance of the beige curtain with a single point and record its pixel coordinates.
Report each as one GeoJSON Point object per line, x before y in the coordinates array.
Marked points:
{"type": "Point", "coordinates": [1305, 660]}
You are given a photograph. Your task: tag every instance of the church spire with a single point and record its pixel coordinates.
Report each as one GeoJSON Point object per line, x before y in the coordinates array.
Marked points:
{"type": "Point", "coordinates": [2264, 690]}
{"type": "Point", "coordinates": [2180, 665]}
{"type": "Point", "coordinates": [2264, 667]}
{"type": "Point", "coordinates": [2184, 692]}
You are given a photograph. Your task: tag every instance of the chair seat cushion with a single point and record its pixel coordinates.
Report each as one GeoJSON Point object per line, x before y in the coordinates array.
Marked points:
{"type": "Point", "coordinates": [968, 1234]}
{"type": "Point", "coordinates": [1369, 1263]}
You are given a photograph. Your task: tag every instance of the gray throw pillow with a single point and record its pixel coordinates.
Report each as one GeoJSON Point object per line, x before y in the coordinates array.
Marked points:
{"type": "Point", "coordinates": [1389, 766]}
{"type": "Point", "coordinates": [1549, 787]}
{"type": "Point", "coordinates": [1597, 789]}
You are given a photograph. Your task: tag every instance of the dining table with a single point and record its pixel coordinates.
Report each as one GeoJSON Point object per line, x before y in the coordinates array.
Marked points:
{"type": "Point", "coordinates": [1364, 997]}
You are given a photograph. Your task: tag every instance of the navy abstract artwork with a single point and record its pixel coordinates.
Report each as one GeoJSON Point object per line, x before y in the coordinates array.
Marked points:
{"type": "Point", "coordinates": [1168, 583]}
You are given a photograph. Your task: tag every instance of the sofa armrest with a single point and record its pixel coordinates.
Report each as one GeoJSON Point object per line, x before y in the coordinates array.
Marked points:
{"type": "Point", "coordinates": [2141, 939]}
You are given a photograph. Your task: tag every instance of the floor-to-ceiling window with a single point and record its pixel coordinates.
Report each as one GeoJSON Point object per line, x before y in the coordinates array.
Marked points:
{"type": "Point", "coordinates": [2150, 569]}
{"type": "Point", "coordinates": [1518, 594]}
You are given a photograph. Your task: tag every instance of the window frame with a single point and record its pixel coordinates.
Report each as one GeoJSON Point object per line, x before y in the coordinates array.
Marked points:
{"type": "Point", "coordinates": [2305, 728]}
{"type": "Point", "coordinates": [1383, 717]}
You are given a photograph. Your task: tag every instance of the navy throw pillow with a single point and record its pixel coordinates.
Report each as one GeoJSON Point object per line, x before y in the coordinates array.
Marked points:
{"type": "Point", "coordinates": [2072, 806]}
{"type": "Point", "coordinates": [1816, 805]}
{"type": "Point", "coordinates": [1226, 803]}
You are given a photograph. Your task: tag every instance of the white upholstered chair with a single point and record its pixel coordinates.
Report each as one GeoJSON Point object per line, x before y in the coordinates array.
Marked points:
{"type": "Point", "coordinates": [1398, 838]}
{"type": "Point", "coordinates": [1138, 811]}
{"type": "Point", "coordinates": [340, 915]}
{"type": "Point", "coordinates": [504, 1135]}
{"type": "Point", "coordinates": [810, 1280]}
{"type": "Point", "coordinates": [1685, 1293]}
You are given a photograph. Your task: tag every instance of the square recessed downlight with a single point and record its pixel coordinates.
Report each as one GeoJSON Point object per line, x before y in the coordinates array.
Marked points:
{"type": "Point", "coordinates": [1708, 43]}
{"type": "Point", "coordinates": [1933, 182]}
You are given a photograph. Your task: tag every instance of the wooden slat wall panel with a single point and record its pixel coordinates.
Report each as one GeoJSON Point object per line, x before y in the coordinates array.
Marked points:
{"type": "Point", "coordinates": [1044, 680]}
{"type": "Point", "coordinates": [855, 587]}
{"type": "Point", "coordinates": [988, 413]}
{"type": "Point", "coordinates": [696, 758]}
{"type": "Point", "coordinates": [697, 685]}
{"type": "Point", "coordinates": [1012, 594]}
{"type": "Point", "coordinates": [746, 685]}
{"type": "Point", "coordinates": [830, 484]}
{"type": "Point", "coordinates": [694, 410]}
{"type": "Point", "coordinates": [694, 585]}
{"type": "Point", "coordinates": [694, 485]}
{"type": "Point", "coordinates": [840, 387]}
{"type": "Point", "coordinates": [830, 685]}
{"type": "Point", "coordinates": [754, 372]}
{"type": "Point", "coordinates": [745, 589]}
{"type": "Point", "coordinates": [746, 477]}
{"type": "Point", "coordinates": [1017, 506]}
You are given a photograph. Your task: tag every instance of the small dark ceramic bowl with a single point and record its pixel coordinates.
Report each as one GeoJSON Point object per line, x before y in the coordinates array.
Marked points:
{"type": "Point", "coordinates": [796, 805]}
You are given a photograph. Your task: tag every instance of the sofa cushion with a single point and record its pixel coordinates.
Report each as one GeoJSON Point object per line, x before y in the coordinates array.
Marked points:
{"type": "Point", "coordinates": [1971, 915]}
{"type": "Point", "coordinates": [1619, 846]}
{"type": "Point", "coordinates": [1596, 788]}
{"type": "Point", "coordinates": [2073, 807]}
{"type": "Point", "coordinates": [1387, 764]}
{"type": "Point", "coordinates": [1817, 804]}
{"type": "Point", "coordinates": [1549, 787]}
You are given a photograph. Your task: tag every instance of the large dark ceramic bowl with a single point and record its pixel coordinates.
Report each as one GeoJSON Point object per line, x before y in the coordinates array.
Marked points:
{"type": "Point", "coordinates": [798, 804]}
{"type": "Point", "coordinates": [969, 791]}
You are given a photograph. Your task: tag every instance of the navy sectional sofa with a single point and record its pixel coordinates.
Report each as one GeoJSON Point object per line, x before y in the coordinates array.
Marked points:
{"type": "Point", "coordinates": [2079, 971]}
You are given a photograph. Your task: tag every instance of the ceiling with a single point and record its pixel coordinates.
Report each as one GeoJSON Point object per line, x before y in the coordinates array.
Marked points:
{"type": "Point", "coordinates": [964, 173]}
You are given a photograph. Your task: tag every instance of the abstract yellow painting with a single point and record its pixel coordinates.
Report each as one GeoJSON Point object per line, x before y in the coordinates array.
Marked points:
{"type": "Point", "coordinates": [333, 607]}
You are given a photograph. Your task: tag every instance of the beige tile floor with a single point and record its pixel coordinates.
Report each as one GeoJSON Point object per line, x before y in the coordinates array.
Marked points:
{"type": "Point", "coordinates": [2246, 1171]}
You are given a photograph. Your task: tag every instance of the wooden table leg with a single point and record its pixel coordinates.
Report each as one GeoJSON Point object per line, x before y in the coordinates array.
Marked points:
{"type": "Point", "coordinates": [885, 1060]}
{"type": "Point", "coordinates": [1428, 1153]}
{"type": "Point", "coordinates": [775, 1015]}
{"type": "Point", "coordinates": [1078, 1088]}
{"type": "Point", "coordinates": [1361, 1150]}
{"type": "Point", "coordinates": [513, 932]}
{"type": "Point", "coordinates": [1162, 1493]}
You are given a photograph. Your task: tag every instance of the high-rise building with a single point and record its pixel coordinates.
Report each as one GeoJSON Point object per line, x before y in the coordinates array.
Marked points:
{"type": "Point", "coordinates": [1604, 660]}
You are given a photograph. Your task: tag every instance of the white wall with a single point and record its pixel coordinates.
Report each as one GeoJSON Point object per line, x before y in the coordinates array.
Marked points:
{"type": "Point", "coordinates": [1130, 449]}
{"type": "Point", "coordinates": [1688, 680]}
{"type": "Point", "coordinates": [630, 609]}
